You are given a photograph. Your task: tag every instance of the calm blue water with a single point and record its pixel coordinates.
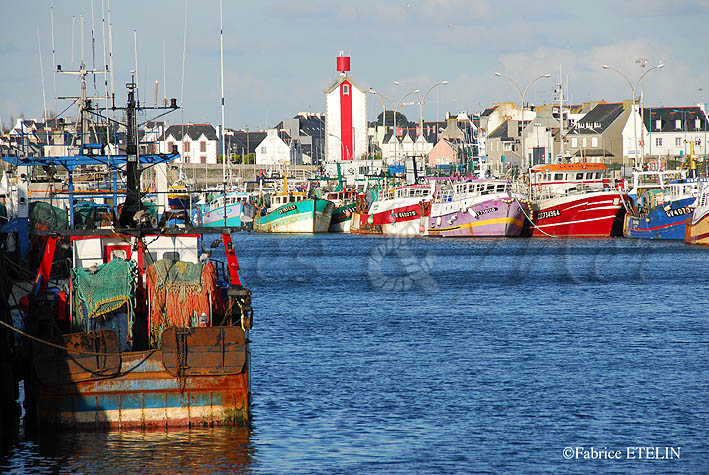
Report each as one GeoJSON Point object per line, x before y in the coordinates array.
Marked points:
{"type": "Point", "coordinates": [429, 356]}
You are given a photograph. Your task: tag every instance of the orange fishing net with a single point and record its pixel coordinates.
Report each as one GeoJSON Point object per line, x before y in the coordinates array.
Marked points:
{"type": "Point", "coordinates": [179, 292]}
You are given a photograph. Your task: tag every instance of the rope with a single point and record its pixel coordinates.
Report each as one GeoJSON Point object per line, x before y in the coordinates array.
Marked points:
{"type": "Point", "coordinates": [530, 220]}
{"type": "Point", "coordinates": [59, 347]}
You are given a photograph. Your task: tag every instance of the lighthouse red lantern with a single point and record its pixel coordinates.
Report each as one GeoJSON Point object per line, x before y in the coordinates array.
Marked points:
{"type": "Point", "coordinates": [343, 64]}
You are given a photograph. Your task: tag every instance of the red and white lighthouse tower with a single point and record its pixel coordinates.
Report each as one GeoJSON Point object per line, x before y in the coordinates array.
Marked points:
{"type": "Point", "coordinates": [345, 116]}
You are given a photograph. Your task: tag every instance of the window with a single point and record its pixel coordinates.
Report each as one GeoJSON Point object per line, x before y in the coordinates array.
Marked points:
{"type": "Point", "coordinates": [579, 176]}
{"type": "Point", "coordinates": [678, 124]}
{"type": "Point", "coordinates": [678, 141]}
{"type": "Point", "coordinates": [203, 147]}
{"type": "Point", "coordinates": [574, 142]}
{"type": "Point", "coordinates": [263, 149]}
{"type": "Point", "coordinates": [658, 124]}
{"type": "Point", "coordinates": [202, 159]}
{"type": "Point", "coordinates": [186, 146]}
{"type": "Point", "coordinates": [658, 141]}
{"type": "Point", "coordinates": [594, 141]}
{"type": "Point", "coordinates": [697, 124]}
{"type": "Point", "coordinates": [345, 89]}
{"type": "Point", "coordinates": [558, 176]}
{"type": "Point", "coordinates": [169, 146]}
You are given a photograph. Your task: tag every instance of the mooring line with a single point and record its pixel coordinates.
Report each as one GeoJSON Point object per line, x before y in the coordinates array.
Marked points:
{"type": "Point", "coordinates": [54, 345]}
{"type": "Point", "coordinates": [530, 219]}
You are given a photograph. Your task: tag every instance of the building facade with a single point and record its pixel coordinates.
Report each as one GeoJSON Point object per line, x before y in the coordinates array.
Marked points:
{"type": "Point", "coordinates": [196, 143]}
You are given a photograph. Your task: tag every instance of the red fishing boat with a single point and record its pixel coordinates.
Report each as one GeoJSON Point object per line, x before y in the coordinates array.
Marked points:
{"type": "Point", "coordinates": [574, 200]}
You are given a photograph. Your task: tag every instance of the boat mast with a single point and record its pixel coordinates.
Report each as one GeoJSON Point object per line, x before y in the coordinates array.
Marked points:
{"type": "Point", "coordinates": [221, 57]}
{"type": "Point", "coordinates": [561, 111]}
{"type": "Point", "coordinates": [132, 203]}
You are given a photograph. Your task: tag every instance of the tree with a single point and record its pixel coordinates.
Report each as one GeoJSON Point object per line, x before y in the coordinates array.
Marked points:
{"type": "Point", "coordinates": [401, 120]}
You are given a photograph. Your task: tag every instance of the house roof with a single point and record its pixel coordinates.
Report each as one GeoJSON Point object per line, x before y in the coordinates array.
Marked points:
{"type": "Point", "coordinates": [248, 139]}
{"type": "Point", "coordinates": [668, 117]}
{"type": "Point", "coordinates": [598, 119]}
{"type": "Point", "coordinates": [342, 78]}
{"type": "Point", "coordinates": [503, 131]}
{"type": "Point", "coordinates": [193, 131]}
{"type": "Point", "coordinates": [411, 133]}
{"type": "Point", "coordinates": [311, 125]}
{"type": "Point", "coordinates": [488, 111]}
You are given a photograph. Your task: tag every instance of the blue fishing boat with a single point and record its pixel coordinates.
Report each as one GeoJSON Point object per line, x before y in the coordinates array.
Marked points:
{"type": "Point", "coordinates": [664, 221]}
{"type": "Point", "coordinates": [231, 209]}
{"type": "Point", "coordinates": [661, 213]}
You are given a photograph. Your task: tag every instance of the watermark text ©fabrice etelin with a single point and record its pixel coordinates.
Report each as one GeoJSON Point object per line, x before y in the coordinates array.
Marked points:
{"type": "Point", "coordinates": [624, 453]}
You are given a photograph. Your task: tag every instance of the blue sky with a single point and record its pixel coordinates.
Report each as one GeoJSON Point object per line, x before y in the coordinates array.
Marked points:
{"type": "Point", "coordinates": [280, 55]}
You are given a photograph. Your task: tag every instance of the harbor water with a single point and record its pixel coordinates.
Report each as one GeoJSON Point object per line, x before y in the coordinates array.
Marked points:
{"type": "Point", "coordinates": [388, 355]}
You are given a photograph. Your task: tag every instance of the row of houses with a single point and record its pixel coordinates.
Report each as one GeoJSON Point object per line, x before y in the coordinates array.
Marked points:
{"type": "Point", "coordinates": [501, 137]}
{"type": "Point", "coordinates": [615, 134]}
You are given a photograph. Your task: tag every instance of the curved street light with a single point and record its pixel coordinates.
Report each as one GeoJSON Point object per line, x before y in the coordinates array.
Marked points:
{"type": "Point", "coordinates": [523, 94]}
{"type": "Point", "coordinates": [422, 101]}
{"type": "Point", "coordinates": [342, 146]}
{"type": "Point", "coordinates": [396, 143]}
{"type": "Point", "coordinates": [633, 88]}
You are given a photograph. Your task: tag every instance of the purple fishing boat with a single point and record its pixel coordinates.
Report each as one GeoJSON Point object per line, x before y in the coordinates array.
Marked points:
{"type": "Point", "coordinates": [476, 207]}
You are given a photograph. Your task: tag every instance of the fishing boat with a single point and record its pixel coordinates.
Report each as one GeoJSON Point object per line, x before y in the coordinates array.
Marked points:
{"type": "Point", "coordinates": [397, 211]}
{"type": "Point", "coordinates": [697, 225]}
{"type": "Point", "coordinates": [145, 330]}
{"type": "Point", "coordinates": [292, 211]}
{"type": "Point", "coordinates": [574, 200]}
{"type": "Point", "coordinates": [230, 208]}
{"type": "Point", "coordinates": [178, 196]}
{"type": "Point", "coordinates": [477, 207]}
{"type": "Point", "coordinates": [345, 204]}
{"type": "Point", "coordinates": [661, 213]}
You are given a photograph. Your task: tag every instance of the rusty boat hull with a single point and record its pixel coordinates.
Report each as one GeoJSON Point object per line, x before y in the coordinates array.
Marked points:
{"type": "Point", "coordinates": [200, 377]}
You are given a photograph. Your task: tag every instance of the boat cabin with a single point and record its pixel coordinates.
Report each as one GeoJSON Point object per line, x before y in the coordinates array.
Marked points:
{"type": "Point", "coordinates": [285, 198]}
{"type": "Point", "coordinates": [410, 191]}
{"type": "Point", "coordinates": [565, 177]}
{"type": "Point", "coordinates": [343, 196]}
{"type": "Point", "coordinates": [473, 188]}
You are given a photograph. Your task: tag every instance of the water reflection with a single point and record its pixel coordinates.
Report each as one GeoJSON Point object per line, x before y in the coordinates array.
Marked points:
{"type": "Point", "coordinates": [217, 450]}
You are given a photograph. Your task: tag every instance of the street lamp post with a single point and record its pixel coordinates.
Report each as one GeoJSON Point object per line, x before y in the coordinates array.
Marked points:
{"type": "Point", "coordinates": [422, 101]}
{"type": "Point", "coordinates": [635, 126]}
{"type": "Point", "coordinates": [523, 94]}
{"type": "Point", "coordinates": [384, 116]}
{"type": "Point", "coordinates": [342, 146]}
{"type": "Point", "coordinates": [396, 140]}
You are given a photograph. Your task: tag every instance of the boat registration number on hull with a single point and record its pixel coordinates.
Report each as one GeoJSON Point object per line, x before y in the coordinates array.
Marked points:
{"type": "Point", "coordinates": [549, 214]}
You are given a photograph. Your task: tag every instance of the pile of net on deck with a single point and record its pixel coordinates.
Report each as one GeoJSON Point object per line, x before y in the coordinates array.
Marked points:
{"type": "Point", "coordinates": [42, 215]}
{"type": "Point", "coordinates": [178, 294]}
{"type": "Point", "coordinates": [103, 297]}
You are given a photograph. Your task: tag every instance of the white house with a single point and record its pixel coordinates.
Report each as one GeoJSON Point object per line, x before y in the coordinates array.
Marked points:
{"type": "Point", "coordinates": [196, 143]}
{"type": "Point", "coordinates": [670, 132]}
{"type": "Point", "coordinates": [274, 150]}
